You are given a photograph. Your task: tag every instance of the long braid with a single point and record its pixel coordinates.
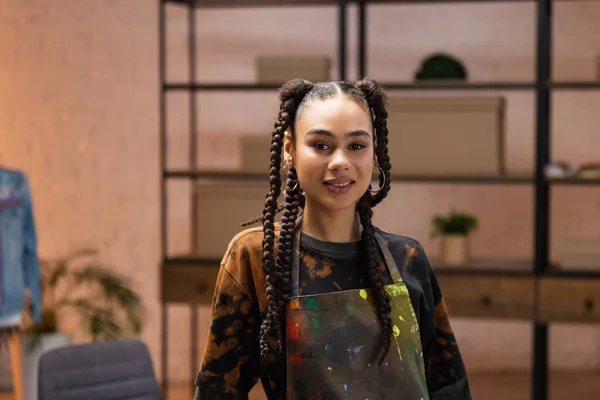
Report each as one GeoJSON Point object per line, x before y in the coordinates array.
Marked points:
{"type": "Point", "coordinates": [365, 214]}
{"type": "Point", "coordinates": [376, 100]}
{"type": "Point", "coordinates": [285, 243]}
{"type": "Point", "coordinates": [291, 96]}
{"type": "Point", "coordinates": [270, 323]}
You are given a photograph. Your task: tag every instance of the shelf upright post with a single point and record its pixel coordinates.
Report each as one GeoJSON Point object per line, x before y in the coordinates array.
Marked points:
{"type": "Point", "coordinates": [342, 39]}
{"type": "Point", "coordinates": [542, 192]}
{"type": "Point", "coordinates": [193, 148]}
{"type": "Point", "coordinates": [362, 40]}
{"type": "Point", "coordinates": [163, 190]}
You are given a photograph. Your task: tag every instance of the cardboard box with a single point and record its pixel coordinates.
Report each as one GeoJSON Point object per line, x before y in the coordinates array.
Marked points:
{"type": "Point", "coordinates": [221, 209]}
{"type": "Point", "coordinates": [446, 136]}
{"type": "Point", "coordinates": [579, 253]}
{"type": "Point", "coordinates": [279, 69]}
{"type": "Point", "coordinates": [256, 150]}
{"type": "Point", "coordinates": [256, 155]}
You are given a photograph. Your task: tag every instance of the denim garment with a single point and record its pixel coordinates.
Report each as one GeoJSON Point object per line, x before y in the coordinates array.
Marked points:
{"type": "Point", "coordinates": [19, 263]}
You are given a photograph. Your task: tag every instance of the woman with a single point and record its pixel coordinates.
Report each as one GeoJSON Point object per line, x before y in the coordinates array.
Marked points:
{"type": "Point", "coordinates": [325, 305]}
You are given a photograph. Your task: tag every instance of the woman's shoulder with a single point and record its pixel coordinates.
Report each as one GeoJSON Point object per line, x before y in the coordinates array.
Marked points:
{"type": "Point", "coordinates": [242, 262]}
{"type": "Point", "coordinates": [246, 245]}
{"type": "Point", "coordinates": [408, 253]}
{"type": "Point", "coordinates": [400, 241]}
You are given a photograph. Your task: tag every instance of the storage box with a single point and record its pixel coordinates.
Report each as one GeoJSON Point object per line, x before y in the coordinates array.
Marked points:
{"type": "Point", "coordinates": [221, 209]}
{"type": "Point", "coordinates": [446, 136]}
{"type": "Point", "coordinates": [579, 253]}
{"type": "Point", "coordinates": [256, 155]}
{"type": "Point", "coordinates": [256, 150]}
{"type": "Point", "coordinates": [279, 69]}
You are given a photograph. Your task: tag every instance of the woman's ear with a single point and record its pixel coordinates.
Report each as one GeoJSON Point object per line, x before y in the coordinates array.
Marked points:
{"type": "Point", "coordinates": [288, 150]}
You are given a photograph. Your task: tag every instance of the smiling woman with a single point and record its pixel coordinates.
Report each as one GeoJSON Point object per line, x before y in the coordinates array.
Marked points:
{"type": "Point", "coordinates": [326, 305]}
{"type": "Point", "coordinates": [331, 147]}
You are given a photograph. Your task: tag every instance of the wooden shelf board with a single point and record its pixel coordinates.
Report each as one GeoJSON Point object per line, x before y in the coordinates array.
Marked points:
{"type": "Point", "coordinates": [235, 175]}
{"type": "Point", "coordinates": [478, 267]}
{"type": "Point", "coordinates": [574, 181]}
{"type": "Point", "coordinates": [575, 85]}
{"type": "Point", "coordinates": [191, 260]}
{"type": "Point", "coordinates": [404, 86]}
{"type": "Point", "coordinates": [407, 86]}
{"type": "Point", "coordinates": [486, 267]}
{"type": "Point", "coordinates": [283, 3]}
{"type": "Point", "coordinates": [229, 175]}
{"type": "Point", "coordinates": [572, 273]}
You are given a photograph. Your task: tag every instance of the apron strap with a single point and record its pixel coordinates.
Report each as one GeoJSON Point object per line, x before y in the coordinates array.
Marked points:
{"type": "Point", "coordinates": [388, 258]}
{"type": "Point", "coordinates": [296, 259]}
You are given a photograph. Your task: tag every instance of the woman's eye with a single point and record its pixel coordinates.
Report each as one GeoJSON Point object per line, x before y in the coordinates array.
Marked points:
{"type": "Point", "coordinates": [321, 146]}
{"type": "Point", "coordinates": [357, 146]}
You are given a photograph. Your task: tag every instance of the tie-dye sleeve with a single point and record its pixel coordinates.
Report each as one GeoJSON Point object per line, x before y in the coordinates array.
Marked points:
{"type": "Point", "coordinates": [446, 372]}
{"type": "Point", "coordinates": [231, 362]}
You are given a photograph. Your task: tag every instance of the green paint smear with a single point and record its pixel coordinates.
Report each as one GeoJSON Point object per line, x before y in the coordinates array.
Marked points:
{"type": "Point", "coordinates": [321, 356]}
{"type": "Point", "coordinates": [316, 322]}
{"type": "Point", "coordinates": [350, 309]}
{"type": "Point", "coordinates": [397, 290]}
{"type": "Point", "coordinates": [311, 304]}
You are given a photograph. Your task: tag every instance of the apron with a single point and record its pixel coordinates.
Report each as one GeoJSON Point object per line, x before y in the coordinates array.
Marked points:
{"type": "Point", "coordinates": [333, 343]}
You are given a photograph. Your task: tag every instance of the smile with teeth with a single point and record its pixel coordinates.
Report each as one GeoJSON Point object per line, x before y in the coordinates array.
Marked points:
{"type": "Point", "coordinates": [340, 184]}
{"type": "Point", "coordinates": [337, 187]}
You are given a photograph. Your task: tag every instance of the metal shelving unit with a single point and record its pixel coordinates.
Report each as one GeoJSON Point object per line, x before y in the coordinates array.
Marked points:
{"type": "Point", "coordinates": [542, 86]}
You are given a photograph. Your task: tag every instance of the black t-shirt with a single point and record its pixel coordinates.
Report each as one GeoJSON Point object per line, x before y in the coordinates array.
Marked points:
{"type": "Point", "coordinates": [329, 267]}
{"type": "Point", "coordinates": [324, 267]}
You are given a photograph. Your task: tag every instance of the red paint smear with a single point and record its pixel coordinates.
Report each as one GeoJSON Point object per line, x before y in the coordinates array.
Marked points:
{"type": "Point", "coordinates": [295, 332]}
{"type": "Point", "coordinates": [295, 360]}
{"type": "Point", "coordinates": [292, 331]}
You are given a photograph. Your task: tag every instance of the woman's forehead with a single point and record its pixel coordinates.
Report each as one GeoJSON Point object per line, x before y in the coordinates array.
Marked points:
{"type": "Point", "coordinates": [336, 111]}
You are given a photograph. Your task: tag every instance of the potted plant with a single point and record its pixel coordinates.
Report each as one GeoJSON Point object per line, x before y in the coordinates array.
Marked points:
{"type": "Point", "coordinates": [77, 284]}
{"type": "Point", "coordinates": [440, 66]}
{"type": "Point", "coordinates": [454, 230]}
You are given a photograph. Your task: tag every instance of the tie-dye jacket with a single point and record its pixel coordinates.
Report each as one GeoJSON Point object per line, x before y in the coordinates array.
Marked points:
{"type": "Point", "coordinates": [231, 363]}
{"type": "Point", "coordinates": [19, 264]}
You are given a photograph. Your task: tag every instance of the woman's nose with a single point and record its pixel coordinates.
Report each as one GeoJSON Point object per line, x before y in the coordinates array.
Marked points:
{"type": "Point", "coordinates": [339, 161]}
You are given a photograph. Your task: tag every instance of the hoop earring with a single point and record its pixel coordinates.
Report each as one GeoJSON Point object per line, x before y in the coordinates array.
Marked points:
{"type": "Point", "coordinates": [293, 189]}
{"type": "Point", "coordinates": [381, 174]}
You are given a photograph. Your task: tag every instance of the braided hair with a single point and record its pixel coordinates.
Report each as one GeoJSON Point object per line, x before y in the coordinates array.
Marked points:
{"type": "Point", "coordinates": [293, 96]}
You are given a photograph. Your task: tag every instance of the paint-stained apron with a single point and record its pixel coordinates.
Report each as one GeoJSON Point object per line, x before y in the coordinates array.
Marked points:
{"type": "Point", "coordinates": [333, 343]}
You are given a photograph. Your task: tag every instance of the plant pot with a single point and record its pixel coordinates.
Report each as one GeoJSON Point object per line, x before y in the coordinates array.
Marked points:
{"type": "Point", "coordinates": [455, 250]}
{"type": "Point", "coordinates": [31, 351]}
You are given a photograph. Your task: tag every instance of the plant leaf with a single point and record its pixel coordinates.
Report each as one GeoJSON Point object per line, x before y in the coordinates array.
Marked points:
{"type": "Point", "coordinates": [109, 307]}
{"type": "Point", "coordinates": [116, 290]}
{"type": "Point", "coordinates": [99, 323]}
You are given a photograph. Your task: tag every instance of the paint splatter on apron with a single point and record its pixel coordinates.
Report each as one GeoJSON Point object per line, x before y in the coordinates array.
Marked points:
{"type": "Point", "coordinates": [334, 341]}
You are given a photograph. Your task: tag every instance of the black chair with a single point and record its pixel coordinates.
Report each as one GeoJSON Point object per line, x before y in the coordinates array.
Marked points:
{"type": "Point", "coordinates": [110, 370]}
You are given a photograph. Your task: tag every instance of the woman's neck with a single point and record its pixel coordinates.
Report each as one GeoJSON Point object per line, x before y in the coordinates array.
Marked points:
{"type": "Point", "coordinates": [330, 226]}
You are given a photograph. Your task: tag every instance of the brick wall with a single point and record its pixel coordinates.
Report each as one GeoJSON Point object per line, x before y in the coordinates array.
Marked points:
{"type": "Point", "coordinates": [78, 113]}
